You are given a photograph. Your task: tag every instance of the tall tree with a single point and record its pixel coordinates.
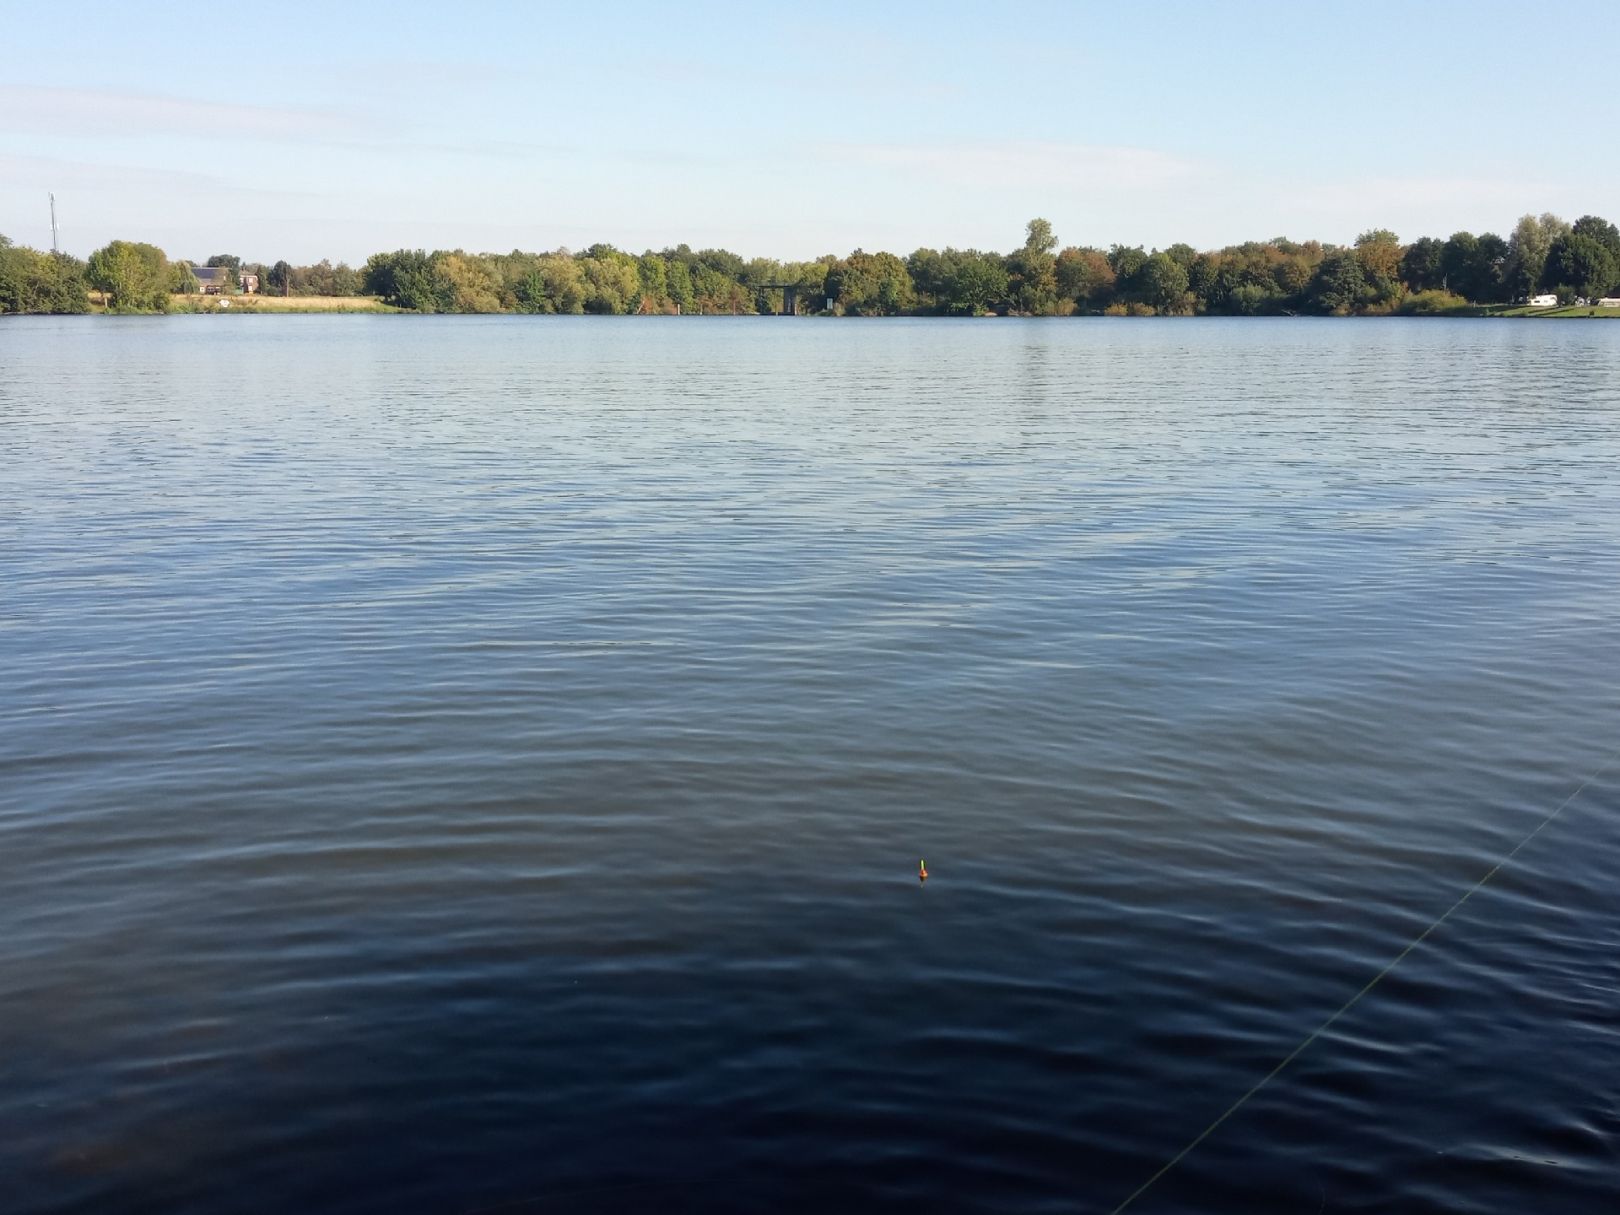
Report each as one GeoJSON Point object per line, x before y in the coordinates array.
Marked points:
{"type": "Point", "coordinates": [927, 270]}
{"type": "Point", "coordinates": [1379, 252]}
{"type": "Point", "coordinates": [1528, 246]}
{"type": "Point", "coordinates": [612, 283]}
{"type": "Point", "coordinates": [471, 282]}
{"type": "Point", "coordinates": [1034, 269]}
{"type": "Point", "coordinates": [678, 276]}
{"type": "Point", "coordinates": [1457, 262]}
{"type": "Point", "coordinates": [1579, 267]}
{"type": "Point", "coordinates": [32, 281]}
{"type": "Point", "coordinates": [870, 284]}
{"type": "Point", "coordinates": [973, 281]}
{"type": "Point", "coordinates": [1202, 278]}
{"type": "Point", "coordinates": [133, 274]}
{"type": "Point", "coordinates": [1600, 230]}
{"type": "Point", "coordinates": [1164, 283]}
{"type": "Point", "coordinates": [409, 278]}
{"type": "Point", "coordinates": [1420, 264]}
{"type": "Point", "coordinates": [1182, 254]}
{"type": "Point", "coordinates": [1084, 276]}
{"type": "Point", "coordinates": [1126, 262]}
{"type": "Point", "coordinates": [1339, 285]}
{"type": "Point", "coordinates": [654, 275]}
{"type": "Point", "coordinates": [1487, 281]}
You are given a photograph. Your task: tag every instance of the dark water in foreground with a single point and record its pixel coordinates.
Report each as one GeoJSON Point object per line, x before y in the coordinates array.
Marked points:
{"type": "Point", "coordinates": [451, 763]}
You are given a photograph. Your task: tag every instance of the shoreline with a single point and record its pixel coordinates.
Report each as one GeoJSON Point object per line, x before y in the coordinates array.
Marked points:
{"type": "Point", "coordinates": [260, 305]}
{"type": "Point", "coordinates": [228, 305]}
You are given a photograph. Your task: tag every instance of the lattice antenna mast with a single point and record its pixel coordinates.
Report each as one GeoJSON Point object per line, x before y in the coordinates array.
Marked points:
{"type": "Point", "coordinates": [55, 245]}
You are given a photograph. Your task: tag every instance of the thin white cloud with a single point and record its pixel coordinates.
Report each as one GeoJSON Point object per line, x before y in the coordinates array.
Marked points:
{"type": "Point", "coordinates": [51, 173]}
{"type": "Point", "coordinates": [72, 112]}
{"type": "Point", "coordinates": [1039, 164]}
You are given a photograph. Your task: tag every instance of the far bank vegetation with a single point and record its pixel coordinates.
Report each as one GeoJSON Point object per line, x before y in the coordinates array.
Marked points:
{"type": "Point", "coordinates": [1377, 275]}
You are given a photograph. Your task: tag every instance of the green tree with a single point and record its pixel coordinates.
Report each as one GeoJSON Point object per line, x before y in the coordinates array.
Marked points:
{"type": "Point", "coordinates": [1126, 263]}
{"type": "Point", "coordinates": [1084, 276]}
{"type": "Point", "coordinates": [1379, 252]}
{"type": "Point", "coordinates": [279, 278]}
{"type": "Point", "coordinates": [1472, 266]}
{"type": "Point", "coordinates": [1202, 277]}
{"type": "Point", "coordinates": [1164, 283]}
{"type": "Point", "coordinates": [722, 261]}
{"type": "Point", "coordinates": [32, 281]}
{"type": "Point", "coordinates": [1291, 272]}
{"type": "Point", "coordinates": [409, 278]}
{"type": "Point", "coordinates": [972, 281]}
{"type": "Point", "coordinates": [928, 274]}
{"type": "Point", "coordinates": [133, 275]}
{"type": "Point", "coordinates": [1528, 247]}
{"type": "Point", "coordinates": [562, 285]}
{"type": "Point", "coordinates": [1489, 269]}
{"type": "Point", "coordinates": [544, 283]}
{"type": "Point", "coordinates": [678, 277]}
{"type": "Point", "coordinates": [1458, 258]}
{"type": "Point", "coordinates": [1251, 299]}
{"type": "Point", "coordinates": [1339, 285]}
{"type": "Point", "coordinates": [715, 292]}
{"type": "Point", "coordinates": [612, 283]}
{"type": "Point", "coordinates": [470, 283]}
{"type": "Point", "coordinates": [1602, 231]}
{"type": "Point", "coordinates": [870, 284]}
{"type": "Point", "coordinates": [12, 270]}
{"type": "Point", "coordinates": [1182, 254]}
{"type": "Point", "coordinates": [323, 278]}
{"type": "Point", "coordinates": [756, 273]}
{"type": "Point", "coordinates": [653, 274]}
{"type": "Point", "coordinates": [1033, 269]}
{"type": "Point", "coordinates": [343, 280]}
{"type": "Point", "coordinates": [181, 279]}
{"type": "Point", "coordinates": [1420, 264]}
{"type": "Point", "coordinates": [1579, 267]}
{"type": "Point", "coordinates": [62, 285]}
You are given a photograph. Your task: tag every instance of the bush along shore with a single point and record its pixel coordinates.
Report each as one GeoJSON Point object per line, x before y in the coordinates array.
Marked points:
{"type": "Point", "coordinates": [1545, 266]}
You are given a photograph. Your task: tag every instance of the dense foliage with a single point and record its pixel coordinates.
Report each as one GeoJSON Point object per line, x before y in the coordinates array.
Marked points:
{"type": "Point", "coordinates": [31, 281]}
{"type": "Point", "coordinates": [133, 276]}
{"type": "Point", "coordinates": [1375, 275]}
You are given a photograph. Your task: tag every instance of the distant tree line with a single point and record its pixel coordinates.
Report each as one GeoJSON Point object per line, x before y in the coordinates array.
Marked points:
{"type": "Point", "coordinates": [1376, 275]}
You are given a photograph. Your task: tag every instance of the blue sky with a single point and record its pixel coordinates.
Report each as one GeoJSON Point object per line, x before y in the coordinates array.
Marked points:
{"type": "Point", "coordinates": [336, 130]}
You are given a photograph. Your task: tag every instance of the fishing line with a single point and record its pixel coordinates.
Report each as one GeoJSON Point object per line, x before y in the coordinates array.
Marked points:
{"type": "Point", "coordinates": [1371, 983]}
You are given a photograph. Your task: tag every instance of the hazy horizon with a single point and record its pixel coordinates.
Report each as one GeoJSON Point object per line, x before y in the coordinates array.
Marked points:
{"type": "Point", "coordinates": [302, 133]}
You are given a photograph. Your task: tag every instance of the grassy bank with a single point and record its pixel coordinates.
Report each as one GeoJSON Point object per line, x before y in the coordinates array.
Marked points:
{"type": "Point", "coordinates": [278, 303]}
{"type": "Point", "coordinates": [1583, 310]}
{"type": "Point", "coordinates": [237, 304]}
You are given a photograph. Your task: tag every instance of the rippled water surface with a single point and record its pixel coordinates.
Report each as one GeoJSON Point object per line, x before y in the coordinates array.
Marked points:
{"type": "Point", "coordinates": [453, 764]}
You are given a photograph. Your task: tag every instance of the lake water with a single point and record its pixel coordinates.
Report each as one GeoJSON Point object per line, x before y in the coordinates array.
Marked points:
{"type": "Point", "coordinates": [466, 764]}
